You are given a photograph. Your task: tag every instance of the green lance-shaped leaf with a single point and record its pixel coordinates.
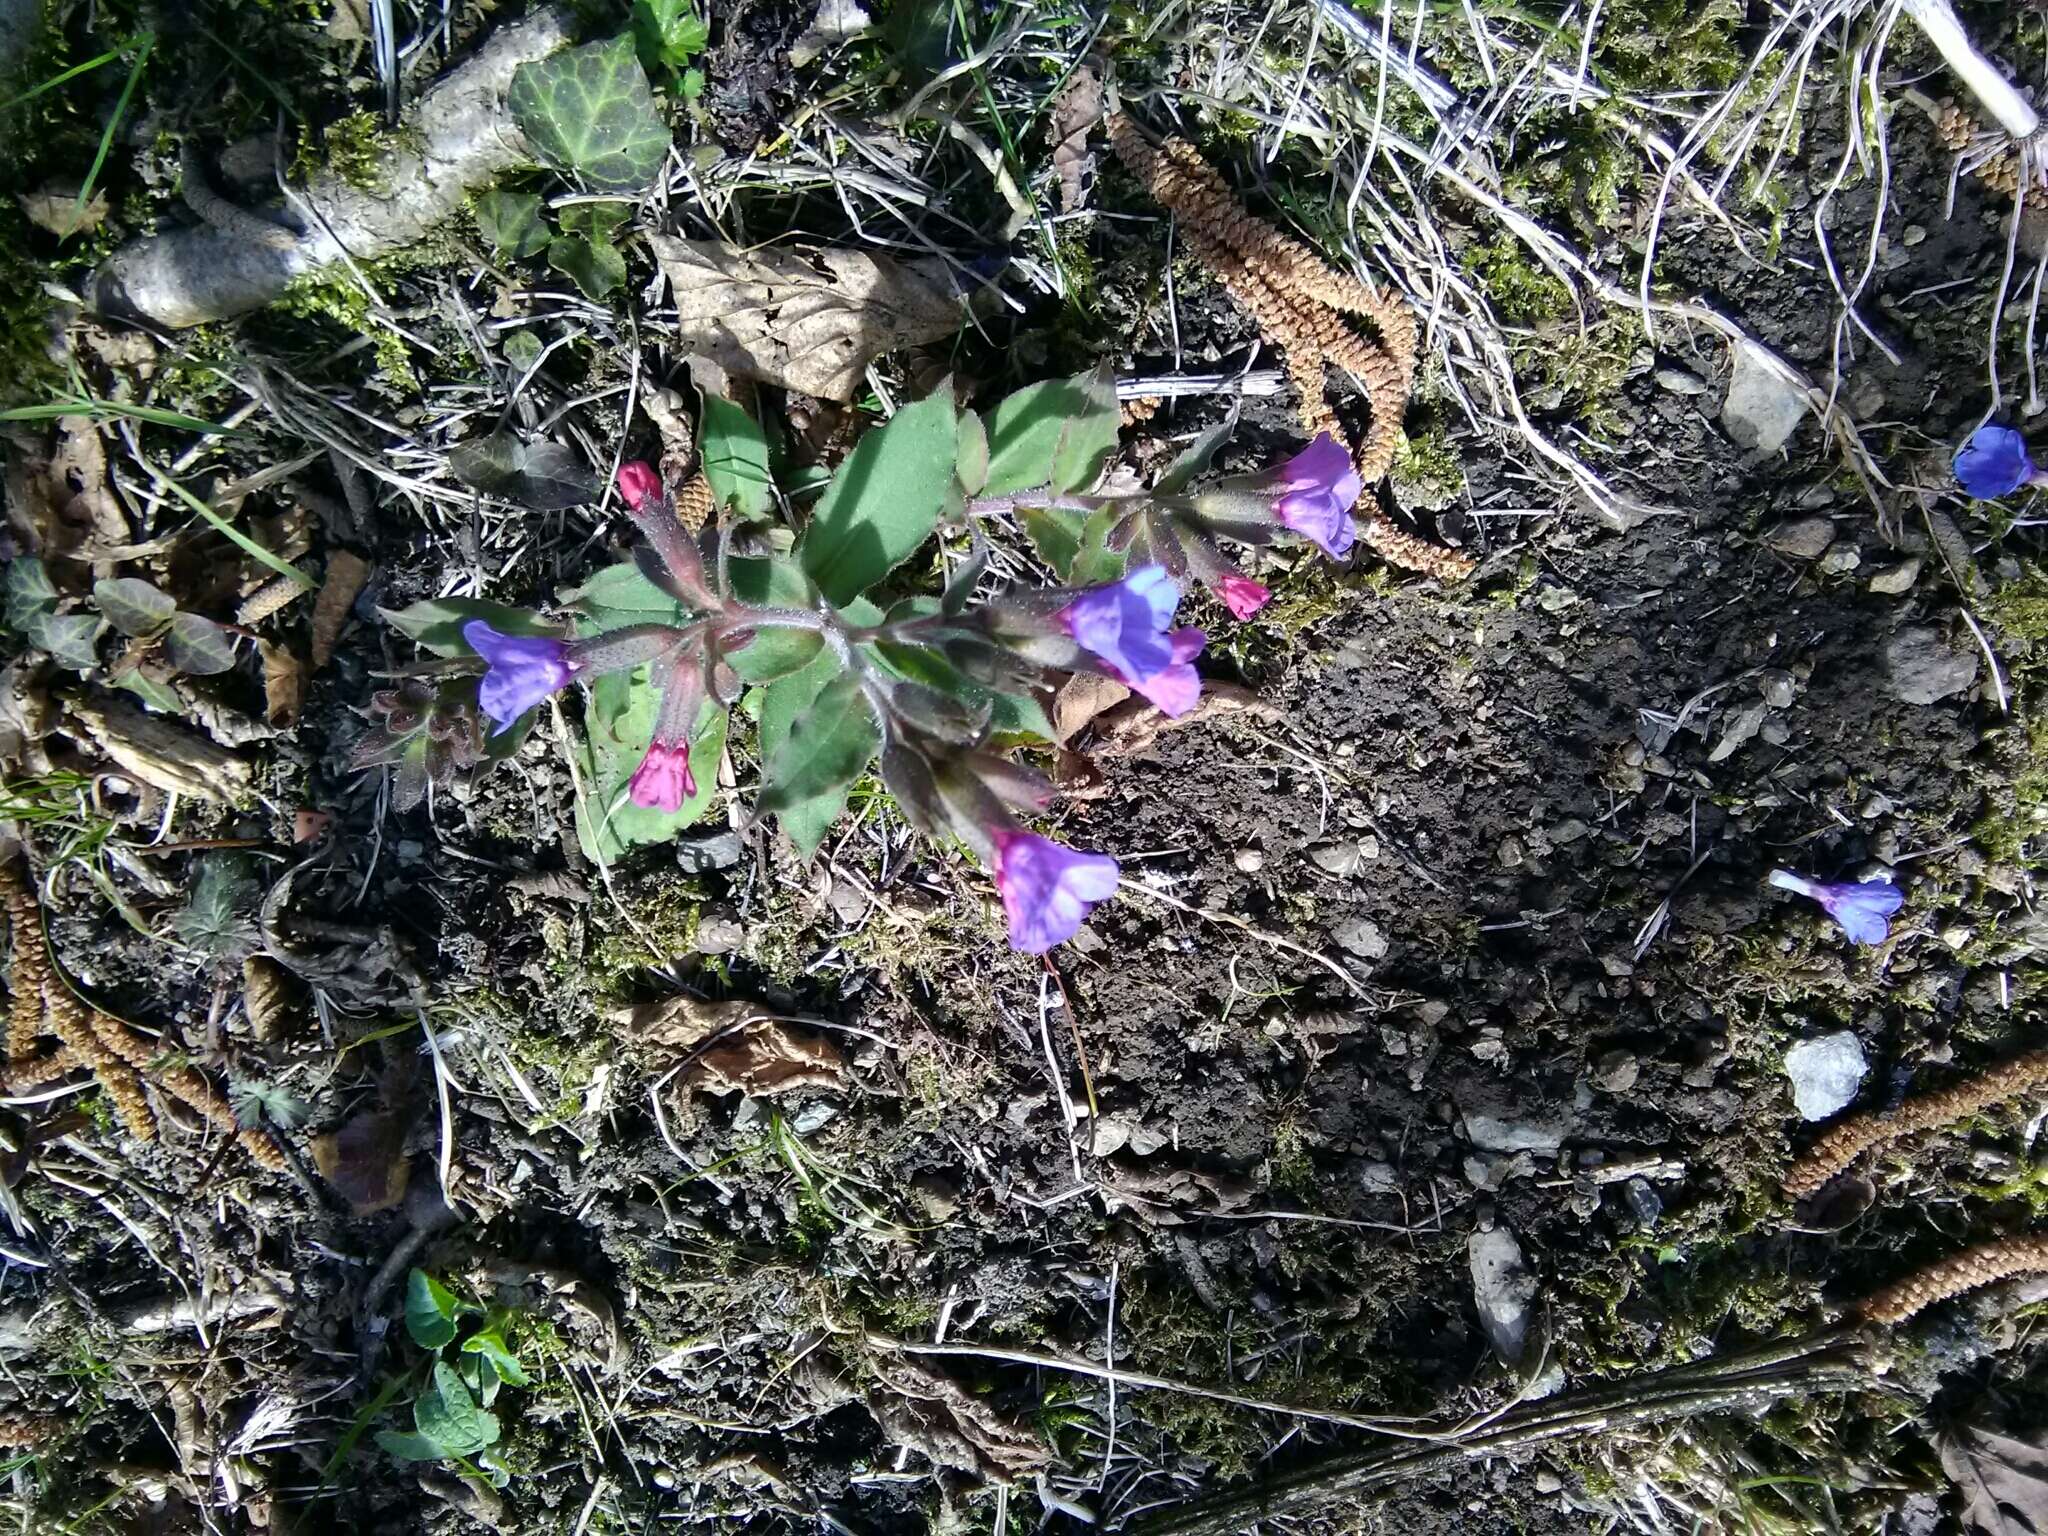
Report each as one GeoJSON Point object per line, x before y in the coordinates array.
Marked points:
{"type": "Point", "coordinates": [1196, 456]}
{"type": "Point", "coordinates": [198, 646]}
{"type": "Point", "coordinates": [1059, 434]}
{"type": "Point", "coordinates": [971, 464]}
{"type": "Point", "coordinates": [885, 500]}
{"type": "Point", "coordinates": [430, 1310]}
{"type": "Point", "coordinates": [775, 582]}
{"type": "Point", "coordinates": [735, 455]}
{"type": "Point", "coordinates": [511, 221]}
{"type": "Point", "coordinates": [827, 746]}
{"type": "Point", "coordinates": [133, 606]}
{"type": "Point", "coordinates": [588, 112]}
{"type": "Point", "coordinates": [435, 624]}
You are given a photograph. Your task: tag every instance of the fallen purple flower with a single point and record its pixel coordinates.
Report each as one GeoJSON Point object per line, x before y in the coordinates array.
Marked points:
{"type": "Point", "coordinates": [1048, 890]}
{"type": "Point", "coordinates": [1861, 909]}
{"type": "Point", "coordinates": [1318, 488]}
{"type": "Point", "coordinates": [520, 671]}
{"type": "Point", "coordinates": [1243, 596]}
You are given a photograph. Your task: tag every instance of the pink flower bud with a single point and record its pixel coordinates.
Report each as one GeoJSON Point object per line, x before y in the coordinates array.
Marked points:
{"type": "Point", "coordinates": [1243, 596]}
{"type": "Point", "coordinates": [637, 482]}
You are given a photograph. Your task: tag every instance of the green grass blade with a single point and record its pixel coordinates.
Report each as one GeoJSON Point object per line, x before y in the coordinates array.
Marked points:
{"type": "Point", "coordinates": [228, 530]}
{"type": "Point", "coordinates": [148, 43]}
{"type": "Point", "coordinates": [56, 80]}
{"type": "Point", "coordinates": [98, 410]}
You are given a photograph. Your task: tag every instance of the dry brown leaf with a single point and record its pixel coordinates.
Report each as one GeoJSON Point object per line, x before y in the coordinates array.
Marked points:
{"type": "Point", "coordinates": [1075, 111]}
{"type": "Point", "coordinates": [1079, 700]}
{"type": "Point", "coordinates": [809, 318]}
{"type": "Point", "coordinates": [347, 574]}
{"type": "Point", "coordinates": [2003, 1481]}
{"type": "Point", "coordinates": [54, 206]}
{"type": "Point", "coordinates": [174, 759]}
{"type": "Point", "coordinates": [935, 1415]}
{"type": "Point", "coordinates": [284, 684]}
{"type": "Point", "coordinates": [364, 1159]}
{"type": "Point", "coordinates": [768, 1059]}
{"type": "Point", "coordinates": [678, 1024]}
{"type": "Point", "coordinates": [267, 998]}
{"type": "Point", "coordinates": [1135, 724]}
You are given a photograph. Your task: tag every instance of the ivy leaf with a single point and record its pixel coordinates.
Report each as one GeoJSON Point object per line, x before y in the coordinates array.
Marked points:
{"type": "Point", "coordinates": [511, 222]}
{"type": "Point", "coordinates": [133, 606]}
{"type": "Point", "coordinates": [668, 33]}
{"type": "Point", "coordinates": [29, 593]}
{"type": "Point", "coordinates": [451, 1417]}
{"type": "Point", "coordinates": [885, 500]}
{"type": "Point", "coordinates": [542, 475]}
{"type": "Point", "coordinates": [430, 1310]}
{"type": "Point", "coordinates": [198, 646]}
{"type": "Point", "coordinates": [1059, 433]}
{"type": "Point", "coordinates": [588, 112]}
{"type": "Point", "coordinates": [523, 349]}
{"type": "Point", "coordinates": [596, 269]}
{"type": "Point", "coordinates": [491, 1345]}
{"type": "Point", "coordinates": [734, 451]}
{"type": "Point", "coordinates": [435, 624]}
{"type": "Point", "coordinates": [68, 637]}
{"type": "Point", "coordinates": [596, 222]}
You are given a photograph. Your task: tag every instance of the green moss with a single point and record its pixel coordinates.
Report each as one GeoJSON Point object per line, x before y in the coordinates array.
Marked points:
{"type": "Point", "coordinates": [1522, 292]}
{"type": "Point", "coordinates": [336, 298]}
{"type": "Point", "coordinates": [353, 148]}
{"type": "Point", "coordinates": [666, 911]}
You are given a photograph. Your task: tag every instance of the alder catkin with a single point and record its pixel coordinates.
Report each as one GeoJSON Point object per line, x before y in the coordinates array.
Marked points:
{"type": "Point", "coordinates": [29, 972]}
{"type": "Point", "coordinates": [1970, 1270]}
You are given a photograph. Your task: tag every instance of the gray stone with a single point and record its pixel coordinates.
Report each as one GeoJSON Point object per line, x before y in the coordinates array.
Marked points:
{"type": "Point", "coordinates": [1643, 1203]}
{"type": "Point", "coordinates": [1825, 1074]}
{"type": "Point", "coordinates": [814, 1117]}
{"type": "Point", "coordinates": [1249, 860]}
{"type": "Point", "coordinates": [1378, 1178]}
{"type": "Point", "coordinates": [1897, 579]}
{"type": "Point", "coordinates": [1339, 859]}
{"type": "Point", "coordinates": [1681, 381]}
{"type": "Point", "coordinates": [938, 1197]}
{"type": "Point", "coordinates": [1503, 1290]}
{"type": "Point", "coordinates": [1763, 407]}
{"type": "Point", "coordinates": [1924, 668]}
{"type": "Point", "coordinates": [1778, 687]}
{"type": "Point", "coordinates": [1616, 1072]}
{"type": "Point", "coordinates": [1361, 938]}
{"type": "Point", "coordinates": [719, 935]}
{"type": "Point", "coordinates": [1806, 539]}
{"type": "Point", "coordinates": [716, 850]}
{"type": "Point", "coordinates": [1840, 560]}
{"type": "Point", "coordinates": [1493, 1130]}
{"type": "Point", "coordinates": [1736, 733]}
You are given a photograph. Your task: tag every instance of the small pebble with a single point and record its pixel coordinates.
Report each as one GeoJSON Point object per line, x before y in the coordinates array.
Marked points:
{"type": "Point", "coordinates": [1250, 860]}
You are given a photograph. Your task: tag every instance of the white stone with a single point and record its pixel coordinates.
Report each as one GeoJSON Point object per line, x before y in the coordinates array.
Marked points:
{"type": "Point", "coordinates": [1503, 1290]}
{"type": "Point", "coordinates": [1763, 408]}
{"type": "Point", "coordinates": [1825, 1074]}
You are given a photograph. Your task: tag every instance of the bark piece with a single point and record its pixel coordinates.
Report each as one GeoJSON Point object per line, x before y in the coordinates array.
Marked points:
{"type": "Point", "coordinates": [160, 753]}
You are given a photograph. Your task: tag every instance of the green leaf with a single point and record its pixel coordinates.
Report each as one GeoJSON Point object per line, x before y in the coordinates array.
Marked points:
{"type": "Point", "coordinates": [596, 222]}
{"type": "Point", "coordinates": [1058, 434]}
{"type": "Point", "coordinates": [133, 606]}
{"type": "Point", "coordinates": [735, 456]}
{"type": "Point", "coordinates": [776, 582]}
{"type": "Point", "coordinates": [511, 222]}
{"type": "Point", "coordinates": [523, 349]}
{"type": "Point", "coordinates": [971, 459]}
{"type": "Point", "coordinates": [68, 637]}
{"type": "Point", "coordinates": [827, 746]}
{"type": "Point", "coordinates": [596, 269]}
{"type": "Point", "coordinates": [153, 693]}
{"type": "Point", "coordinates": [588, 112]}
{"type": "Point", "coordinates": [198, 646]}
{"type": "Point", "coordinates": [451, 1417]}
{"type": "Point", "coordinates": [668, 33]}
{"type": "Point", "coordinates": [1055, 532]}
{"type": "Point", "coordinates": [491, 1345]}
{"type": "Point", "coordinates": [1013, 718]}
{"type": "Point", "coordinates": [885, 500]}
{"type": "Point", "coordinates": [620, 595]}
{"type": "Point", "coordinates": [29, 592]}
{"type": "Point", "coordinates": [430, 1310]}
{"type": "Point", "coordinates": [1195, 457]}
{"type": "Point", "coordinates": [1097, 562]}
{"type": "Point", "coordinates": [409, 1447]}
{"type": "Point", "coordinates": [542, 475]}
{"type": "Point", "coordinates": [435, 624]}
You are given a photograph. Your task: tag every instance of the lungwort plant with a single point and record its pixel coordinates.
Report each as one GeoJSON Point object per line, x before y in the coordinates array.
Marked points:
{"type": "Point", "coordinates": [850, 659]}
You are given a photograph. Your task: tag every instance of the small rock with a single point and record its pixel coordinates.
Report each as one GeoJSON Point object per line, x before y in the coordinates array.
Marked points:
{"type": "Point", "coordinates": [1840, 560]}
{"type": "Point", "coordinates": [1913, 234]}
{"type": "Point", "coordinates": [701, 855]}
{"type": "Point", "coordinates": [1924, 668]}
{"type": "Point", "coordinates": [1510, 852]}
{"type": "Point", "coordinates": [813, 1117]}
{"type": "Point", "coordinates": [1490, 1173]}
{"type": "Point", "coordinates": [1494, 1131]}
{"type": "Point", "coordinates": [849, 903]}
{"type": "Point", "coordinates": [1339, 859]}
{"type": "Point", "coordinates": [1378, 1178]}
{"type": "Point", "coordinates": [719, 935]}
{"type": "Point", "coordinates": [1643, 1203]}
{"type": "Point", "coordinates": [1361, 938]}
{"type": "Point", "coordinates": [1549, 1482]}
{"type": "Point", "coordinates": [1146, 1139]}
{"type": "Point", "coordinates": [938, 1198]}
{"type": "Point", "coordinates": [1806, 539]}
{"type": "Point", "coordinates": [1616, 1071]}
{"type": "Point", "coordinates": [1249, 860]}
{"type": "Point", "coordinates": [1565, 833]}
{"type": "Point", "coordinates": [1897, 579]}
{"type": "Point", "coordinates": [1741, 726]}
{"type": "Point", "coordinates": [1110, 1133]}
{"type": "Point", "coordinates": [1681, 381]}
{"type": "Point", "coordinates": [1825, 1074]}
{"type": "Point", "coordinates": [1503, 1290]}
{"type": "Point", "coordinates": [1778, 688]}
{"type": "Point", "coordinates": [1763, 407]}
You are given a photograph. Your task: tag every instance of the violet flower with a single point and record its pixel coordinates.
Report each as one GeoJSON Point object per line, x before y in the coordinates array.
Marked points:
{"type": "Point", "coordinates": [1123, 625]}
{"type": "Point", "coordinates": [1994, 462]}
{"type": "Point", "coordinates": [520, 671]}
{"type": "Point", "coordinates": [1861, 909]}
{"type": "Point", "coordinates": [1318, 487]}
{"type": "Point", "coordinates": [663, 780]}
{"type": "Point", "coordinates": [637, 481]}
{"type": "Point", "coordinates": [1048, 889]}
{"type": "Point", "coordinates": [1243, 596]}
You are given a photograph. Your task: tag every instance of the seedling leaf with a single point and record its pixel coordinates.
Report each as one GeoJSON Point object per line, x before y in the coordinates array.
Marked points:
{"type": "Point", "coordinates": [430, 1311]}
{"type": "Point", "coordinates": [491, 1345]}
{"type": "Point", "coordinates": [735, 455]}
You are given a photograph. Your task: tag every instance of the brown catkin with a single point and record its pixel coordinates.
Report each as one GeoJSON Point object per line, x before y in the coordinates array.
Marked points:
{"type": "Point", "coordinates": [1970, 1270]}
{"type": "Point", "coordinates": [30, 970]}
{"type": "Point", "coordinates": [1296, 300]}
{"type": "Point", "coordinates": [27, 1072]}
{"type": "Point", "coordinates": [272, 597]}
{"type": "Point", "coordinates": [1842, 1145]}
{"type": "Point", "coordinates": [71, 1022]}
{"type": "Point", "coordinates": [695, 503]}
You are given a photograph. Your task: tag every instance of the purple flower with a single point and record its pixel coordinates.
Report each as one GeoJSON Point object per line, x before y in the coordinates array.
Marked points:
{"type": "Point", "coordinates": [1862, 910]}
{"type": "Point", "coordinates": [663, 780]}
{"type": "Point", "coordinates": [1993, 463]}
{"type": "Point", "coordinates": [1317, 489]}
{"type": "Point", "coordinates": [520, 670]}
{"type": "Point", "coordinates": [1048, 889]}
{"type": "Point", "coordinates": [1123, 625]}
